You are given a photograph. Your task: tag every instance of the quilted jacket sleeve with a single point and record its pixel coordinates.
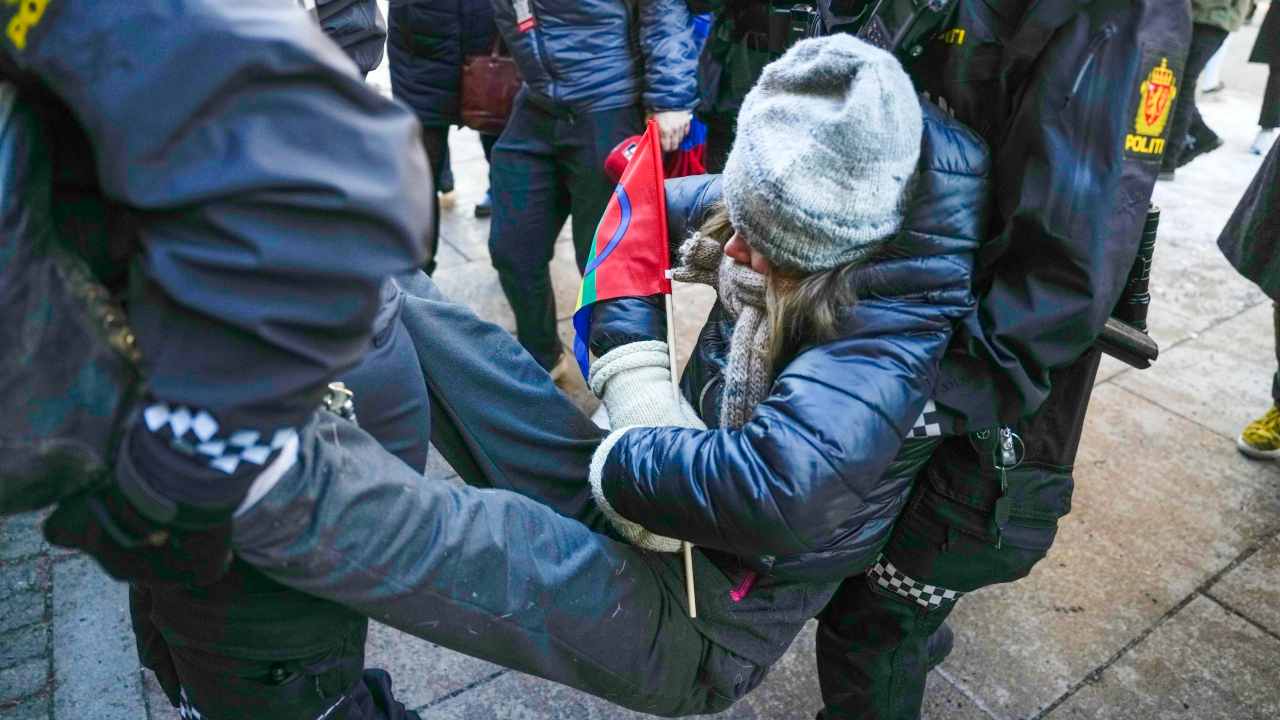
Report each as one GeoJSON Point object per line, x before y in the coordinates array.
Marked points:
{"type": "Point", "coordinates": [670, 55]}
{"type": "Point", "coordinates": [806, 464]}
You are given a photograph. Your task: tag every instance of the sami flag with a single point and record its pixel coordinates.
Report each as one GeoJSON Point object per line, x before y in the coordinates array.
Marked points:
{"type": "Point", "coordinates": [629, 256]}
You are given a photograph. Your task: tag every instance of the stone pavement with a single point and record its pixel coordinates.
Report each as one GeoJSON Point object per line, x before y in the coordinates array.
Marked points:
{"type": "Point", "coordinates": [1160, 600]}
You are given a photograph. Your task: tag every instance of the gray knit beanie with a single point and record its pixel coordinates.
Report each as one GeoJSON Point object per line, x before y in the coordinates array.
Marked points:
{"type": "Point", "coordinates": [827, 144]}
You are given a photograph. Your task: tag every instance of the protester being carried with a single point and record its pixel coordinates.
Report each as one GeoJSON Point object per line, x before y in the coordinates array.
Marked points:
{"type": "Point", "coordinates": [534, 579]}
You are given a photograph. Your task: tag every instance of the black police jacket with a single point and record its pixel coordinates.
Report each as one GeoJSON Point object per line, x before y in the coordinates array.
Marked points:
{"type": "Point", "coordinates": [815, 478]}
{"type": "Point", "coordinates": [1074, 98]}
{"type": "Point", "coordinates": [201, 161]}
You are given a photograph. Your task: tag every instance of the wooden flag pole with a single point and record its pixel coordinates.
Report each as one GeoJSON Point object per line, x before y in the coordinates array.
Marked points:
{"type": "Point", "coordinates": [685, 548]}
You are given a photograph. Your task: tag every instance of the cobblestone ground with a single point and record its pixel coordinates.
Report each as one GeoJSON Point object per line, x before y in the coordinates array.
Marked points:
{"type": "Point", "coordinates": [1160, 600]}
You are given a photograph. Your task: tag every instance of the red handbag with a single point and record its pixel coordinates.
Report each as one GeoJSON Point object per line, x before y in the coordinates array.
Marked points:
{"type": "Point", "coordinates": [489, 85]}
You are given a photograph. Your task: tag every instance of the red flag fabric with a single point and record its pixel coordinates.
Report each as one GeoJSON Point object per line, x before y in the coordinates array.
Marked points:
{"type": "Point", "coordinates": [629, 256]}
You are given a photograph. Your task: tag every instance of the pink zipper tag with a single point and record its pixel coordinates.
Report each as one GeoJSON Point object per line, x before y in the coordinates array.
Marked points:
{"type": "Point", "coordinates": [744, 587]}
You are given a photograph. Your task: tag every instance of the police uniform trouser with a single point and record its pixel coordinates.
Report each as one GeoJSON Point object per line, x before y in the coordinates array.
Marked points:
{"type": "Point", "coordinates": [247, 647]}
{"type": "Point", "coordinates": [872, 637]}
{"type": "Point", "coordinates": [524, 574]}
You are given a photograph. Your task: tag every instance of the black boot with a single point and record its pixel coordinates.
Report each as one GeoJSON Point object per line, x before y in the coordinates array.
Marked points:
{"type": "Point", "coordinates": [484, 208]}
{"type": "Point", "coordinates": [1201, 145]}
{"type": "Point", "coordinates": [940, 644]}
{"type": "Point", "coordinates": [939, 647]}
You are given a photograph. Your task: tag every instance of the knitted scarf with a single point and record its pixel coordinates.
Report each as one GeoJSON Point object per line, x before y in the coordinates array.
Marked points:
{"type": "Point", "coordinates": [748, 375]}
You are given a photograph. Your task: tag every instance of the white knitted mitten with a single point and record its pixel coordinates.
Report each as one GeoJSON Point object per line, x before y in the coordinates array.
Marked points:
{"type": "Point", "coordinates": [634, 381]}
{"type": "Point", "coordinates": [632, 532]}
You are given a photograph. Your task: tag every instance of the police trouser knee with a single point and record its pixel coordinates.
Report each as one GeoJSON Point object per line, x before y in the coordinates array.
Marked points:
{"type": "Point", "coordinates": [247, 647]}
{"type": "Point", "coordinates": [968, 524]}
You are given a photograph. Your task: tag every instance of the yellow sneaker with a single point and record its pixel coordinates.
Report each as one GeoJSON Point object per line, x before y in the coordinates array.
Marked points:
{"type": "Point", "coordinates": [1260, 439]}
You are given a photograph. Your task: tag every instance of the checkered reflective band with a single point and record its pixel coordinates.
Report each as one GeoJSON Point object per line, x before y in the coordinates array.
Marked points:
{"type": "Point", "coordinates": [186, 710]}
{"type": "Point", "coordinates": [928, 424]}
{"type": "Point", "coordinates": [894, 580]}
{"type": "Point", "coordinates": [197, 433]}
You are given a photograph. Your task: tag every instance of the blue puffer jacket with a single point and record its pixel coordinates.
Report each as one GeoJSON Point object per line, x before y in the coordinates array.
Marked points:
{"type": "Point", "coordinates": [358, 28]}
{"type": "Point", "coordinates": [427, 42]}
{"type": "Point", "coordinates": [601, 54]}
{"type": "Point", "coordinates": [811, 485]}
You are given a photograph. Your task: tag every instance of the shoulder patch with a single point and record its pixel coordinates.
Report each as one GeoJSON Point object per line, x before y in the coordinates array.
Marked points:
{"type": "Point", "coordinates": [1156, 93]}
{"type": "Point", "coordinates": [19, 17]}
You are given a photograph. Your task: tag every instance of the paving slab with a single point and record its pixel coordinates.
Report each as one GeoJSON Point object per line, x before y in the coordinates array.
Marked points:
{"type": "Point", "coordinates": [461, 229]}
{"type": "Point", "coordinates": [1253, 588]}
{"type": "Point", "coordinates": [421, 672]}
{"type": "Point", "coordinates": [449, 256]}
{"type": "Point", "coordinates": [94, 657]}
{"type": "Point", "coordinates": [20, 535]}
{"type": "Point", "coordinates": [464, 146]}
{"type": "Point", "coordinates": [20, 576]}
{"type": "Point", "coordinates": [1201, 664]}
{"type": "Point", "coordinates": [24, 679]}
{"type": "Point", "coordinates": [22, 645]}
{"type": "Point", "coordinates": [34, 708]}
{"type": "Point", "coordinates": [1160, 506]}
{"type": "Point", "coordinates": [21, 609]}
{"type": "Point", "coordinates": [476, 284]}
{"type": "Point", "coordinates": [158, 706]}
{"type": "Point", "coordinates": [1221, 380]}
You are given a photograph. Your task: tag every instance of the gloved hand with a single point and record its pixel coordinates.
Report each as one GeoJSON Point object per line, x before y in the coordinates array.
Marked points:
{"type": "Point", "coordinates": [673, 125]}
{"type": "Point", "coordinates": [138, 534]}
{"type": "Point", "coordinates": [132, 547]}
{"type": "Point", "coordinates": [632, 532]}
{"type": "Point", "coordinates": [634, 381]}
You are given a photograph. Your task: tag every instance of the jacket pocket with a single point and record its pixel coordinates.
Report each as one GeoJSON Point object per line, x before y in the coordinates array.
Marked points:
{"type": "Point", "coordinates": [961, 495]}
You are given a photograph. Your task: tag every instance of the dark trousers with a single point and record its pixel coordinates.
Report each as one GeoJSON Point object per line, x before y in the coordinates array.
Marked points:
{"type": "Point", "coordinates": [1205, 41]}
{"type": "Point", "coordinates": [720, 132]}
{"type": "Point", "coordinates": [1275, 380]}
{"type": "Point", "coordinates": [435, 141]}
{"type": "Point", "coordinates": [1270, 117]}
{"type": "Point", "coordinates": [872, 642]}
{"type": "Point", "coordinates": [249, 648]}
{"type": "Point", "coordinates": [547, 165]}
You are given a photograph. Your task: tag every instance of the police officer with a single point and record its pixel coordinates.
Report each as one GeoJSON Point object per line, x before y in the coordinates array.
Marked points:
{"type": "Point", "coordinates": [218, 207]}
{"type": "Point", "coordinates": [1074, 171]}
{"type": "Point", "coordinates": [1074, 101]}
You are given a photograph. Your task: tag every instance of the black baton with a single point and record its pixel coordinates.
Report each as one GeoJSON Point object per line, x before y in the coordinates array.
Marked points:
{"type": "Point", "coordinates": [1125, 335]}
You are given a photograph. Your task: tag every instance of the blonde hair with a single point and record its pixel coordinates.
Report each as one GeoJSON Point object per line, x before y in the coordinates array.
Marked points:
{"type": "Point", "coordinates": [800, 309]}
